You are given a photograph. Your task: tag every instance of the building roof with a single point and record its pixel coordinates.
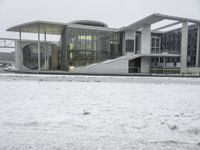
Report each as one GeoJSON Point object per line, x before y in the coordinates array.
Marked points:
{"type": "Point", "coordinates": [156, 18]}
{"type": "Point", "coordinates": [32, 27]}
{"type": "Point", "coordinates": [57, 28]}
{"type": "Point", "coordinates": [90, 23]}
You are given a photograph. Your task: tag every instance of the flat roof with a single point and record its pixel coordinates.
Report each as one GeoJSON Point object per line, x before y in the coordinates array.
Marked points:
{"type": "Point", "coordinates": [54, 28]}
{"type": "Point", "coordinates": [92, 27]}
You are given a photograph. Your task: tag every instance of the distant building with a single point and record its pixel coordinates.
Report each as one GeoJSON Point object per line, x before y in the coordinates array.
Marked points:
{"type": "Point", "coordinates": [92, 47]}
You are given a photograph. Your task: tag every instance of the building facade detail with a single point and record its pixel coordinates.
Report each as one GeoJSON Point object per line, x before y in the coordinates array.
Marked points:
{"type": "Point", "coordinates": [87, 46]}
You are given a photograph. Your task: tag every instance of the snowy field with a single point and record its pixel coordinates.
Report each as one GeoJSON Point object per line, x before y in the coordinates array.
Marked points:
{"type": "Point", "coordinates": [52, 112]}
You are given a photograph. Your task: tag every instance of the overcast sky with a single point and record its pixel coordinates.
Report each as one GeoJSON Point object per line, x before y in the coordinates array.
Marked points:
{"type": "Point", "coordinates": [116, 13]}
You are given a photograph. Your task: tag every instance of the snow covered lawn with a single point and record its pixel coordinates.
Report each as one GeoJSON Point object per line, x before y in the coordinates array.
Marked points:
{"type": "Point", "coordinates": [113, 113]}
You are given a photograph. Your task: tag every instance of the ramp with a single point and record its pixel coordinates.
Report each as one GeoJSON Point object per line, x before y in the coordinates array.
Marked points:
{"type": "Point", "coordinates": [113, 66]}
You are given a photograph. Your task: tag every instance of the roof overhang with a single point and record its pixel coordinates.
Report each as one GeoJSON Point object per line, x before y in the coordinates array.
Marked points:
{"type": "Point", "coordinates": [32, 27]}
{"type": "Point", "coordinates": [154, 18]}
{"type": "Point", "coordinates": [71, 25]}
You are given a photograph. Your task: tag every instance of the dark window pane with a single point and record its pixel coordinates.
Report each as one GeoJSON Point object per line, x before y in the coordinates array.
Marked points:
{"type": "Point", "coordinates": [129, 45]}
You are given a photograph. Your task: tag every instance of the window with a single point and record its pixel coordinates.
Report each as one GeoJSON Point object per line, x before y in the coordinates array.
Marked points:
{"type": "Point", "coordinates": [152, 59]}
{"type": "Point", "coordinates": [129, 45]}
{"type": "Point", "coordinates": [155, 44]}
{"type": "Point", "coordinates": [161, 60]}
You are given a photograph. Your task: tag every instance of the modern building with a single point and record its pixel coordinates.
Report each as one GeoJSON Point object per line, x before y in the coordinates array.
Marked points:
{"type": "Point", "coordinates": [94, 48]}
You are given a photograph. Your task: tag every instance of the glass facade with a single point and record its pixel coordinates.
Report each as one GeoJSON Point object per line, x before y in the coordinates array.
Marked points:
{"type": "Point", "coordinates": [86, 46]}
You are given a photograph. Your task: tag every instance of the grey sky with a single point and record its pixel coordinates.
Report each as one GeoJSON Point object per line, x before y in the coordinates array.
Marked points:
{"type": "Point", "coordinates": [116, 13]}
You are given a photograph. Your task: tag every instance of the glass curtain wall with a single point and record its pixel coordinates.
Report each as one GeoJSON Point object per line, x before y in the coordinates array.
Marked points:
{"type": "Point", "coordinates": [91, 46]}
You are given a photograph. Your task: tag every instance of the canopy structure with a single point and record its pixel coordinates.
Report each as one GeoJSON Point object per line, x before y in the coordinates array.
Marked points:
{"type": "Point", "coordinates": [32, 27]}
{"type": "Point", "coordinates": [154, 18]}
{"type": "Point", "coordinates": [39, 27]}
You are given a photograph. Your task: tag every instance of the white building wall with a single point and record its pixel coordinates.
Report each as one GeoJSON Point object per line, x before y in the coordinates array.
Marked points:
{"type": "Point", "coordinates": [130, 35]}
{"type": "Point", "coordinates": [19, 55]}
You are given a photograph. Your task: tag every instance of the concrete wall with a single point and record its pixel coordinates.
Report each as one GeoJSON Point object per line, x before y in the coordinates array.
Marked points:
{"type": "Point", "coordinates": [114, 66]}
{"type": "Point", "coordinates": [19, 54]}
{"type": "Point", "coordinates": [130, 35]}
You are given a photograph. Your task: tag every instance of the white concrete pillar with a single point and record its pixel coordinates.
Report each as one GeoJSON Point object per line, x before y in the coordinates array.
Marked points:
{"type": "Point", "coordinates": [184, 46]}
{"type": "Point", "coordinates": [48, 54]}
{"type": "Point", "coordinates": [198, 46]}
{"type": "Point", "coordinates": [146, 39]}
{"type": "Point", "coordinates": [20, 52]}
{"type": "Point", "coordinates": [38, 47]}
{"type": "Point", "coordinates": [145, 64]}
{"type": "Point", "coordinates": [17, 55]}
{"type": "Point", "coordinates": [45, 49]}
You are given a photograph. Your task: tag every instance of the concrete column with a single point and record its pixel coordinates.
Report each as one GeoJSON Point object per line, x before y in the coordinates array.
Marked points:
{"type": "Point", "coordinates": [198, 46]}
{"type": "Point", "coordinates": [20, 52]}
{"type": "Point", "coordinates": [48, 50]}
{"type": "Point", "coordinates": [135, 43]}
{"type": "Point", "coordinates": [184, 46]}
{"type": "Point", "coordinates": [164, 61]}
{"type": "Point", "coordinates": [38, 48]}
{"type": "Point", "coordinates": [45, 49]}
{"type": "Point", "coordinates": [64, 51]}
{"type": "Point", "coordinates": [18, 62]}
{"type": "Point", "coordinates": [146, 39]}
{"type": "Point", "coordinates": [145, 64]}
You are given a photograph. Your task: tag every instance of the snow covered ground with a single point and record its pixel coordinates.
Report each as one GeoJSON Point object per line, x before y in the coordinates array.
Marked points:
{"type": "Point", "coordinates": [86, 112]}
